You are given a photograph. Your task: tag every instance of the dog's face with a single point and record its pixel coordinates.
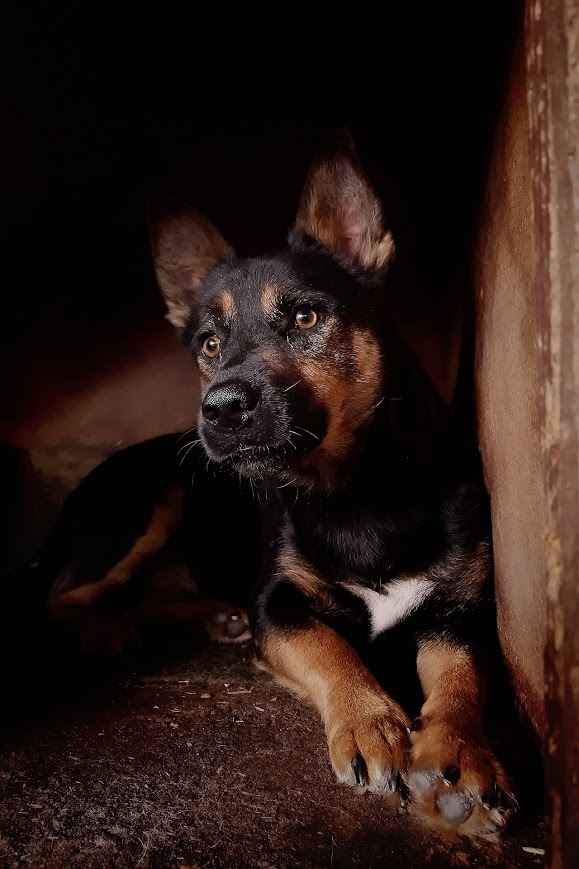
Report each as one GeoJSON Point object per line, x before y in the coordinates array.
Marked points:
{"type": "Point", "coordinates": [291, 366]}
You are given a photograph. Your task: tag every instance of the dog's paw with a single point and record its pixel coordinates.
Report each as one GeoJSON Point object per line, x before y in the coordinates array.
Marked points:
{"type": "Point", "coordinates": [228, 625]}
{"type": "Point", "coordinates": [368, 744]}
{"type": "Point", "coordinates": [455, 781]}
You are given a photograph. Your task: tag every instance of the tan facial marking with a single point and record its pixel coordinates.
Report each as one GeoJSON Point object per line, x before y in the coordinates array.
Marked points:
{"type": "Point", "coordinates": [273, 359]}
{"type": "Point", "coordinates": [227, 304]}
{"type": "Point", "coordinates": [269, 300]}
{"type": "Point", "coordinates": [349, 399]}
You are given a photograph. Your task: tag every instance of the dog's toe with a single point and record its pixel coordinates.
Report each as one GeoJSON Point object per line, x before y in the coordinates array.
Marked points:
{"type": "Point", "coordinates": [455, 781]}
{"type": "Point", "coordinates": [455, 806]}
{"type": "Point", "coordinates": [229, 625]}
{"type": "Point", "coordinates": [369, 750]}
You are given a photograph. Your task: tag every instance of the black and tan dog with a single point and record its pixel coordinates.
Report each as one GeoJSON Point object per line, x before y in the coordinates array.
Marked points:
{"type": "Point", "coordinates": [121, 558]}
{"type": "Point", "coordinates": [371, 519]}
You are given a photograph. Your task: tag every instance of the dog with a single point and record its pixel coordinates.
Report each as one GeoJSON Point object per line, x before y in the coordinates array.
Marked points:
{"type": "Point", "coordinates": [120, 561]}
{"type": "Point", "coordinates": [365, 515]}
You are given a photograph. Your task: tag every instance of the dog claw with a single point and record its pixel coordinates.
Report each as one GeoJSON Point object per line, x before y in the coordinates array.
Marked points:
{"type": "Point", "coordinates": [450, 775]}
{"type": "Point", "coordinates": [360, 771]}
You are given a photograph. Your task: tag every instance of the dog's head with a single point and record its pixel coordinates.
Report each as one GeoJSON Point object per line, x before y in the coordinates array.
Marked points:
{"type": "Point", "coordinates": [290, 360]}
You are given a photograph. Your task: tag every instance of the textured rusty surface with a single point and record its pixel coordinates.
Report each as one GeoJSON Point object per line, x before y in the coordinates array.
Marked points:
{"type": "Point", "coordinates": [509, 389]}
{"type": "Point", "coordinates": [553, 65]}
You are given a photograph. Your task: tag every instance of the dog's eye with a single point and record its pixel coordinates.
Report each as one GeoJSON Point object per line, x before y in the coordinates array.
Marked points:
{"type": "Point", "coordinates": [211, 346]}
{"type": "Point", "coordinates": [305, 317]}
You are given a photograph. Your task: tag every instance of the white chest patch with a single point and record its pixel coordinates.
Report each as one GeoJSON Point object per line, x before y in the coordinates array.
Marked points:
{"type": "Point", "coordinates": [392, 605]}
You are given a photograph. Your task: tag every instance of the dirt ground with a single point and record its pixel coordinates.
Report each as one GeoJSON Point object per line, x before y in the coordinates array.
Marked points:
{"type": "Point", "coordinates": [196, 760]}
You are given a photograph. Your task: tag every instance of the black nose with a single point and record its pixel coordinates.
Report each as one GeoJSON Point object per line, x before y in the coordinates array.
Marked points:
{"type": "Point", "coordinates": [230, 405]}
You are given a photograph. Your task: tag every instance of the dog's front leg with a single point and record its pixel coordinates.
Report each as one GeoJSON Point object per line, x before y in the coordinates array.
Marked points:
{"type": "Point", "coordinates": [455, 779]}
{"type": "Point", "coordinates": [366, 730]}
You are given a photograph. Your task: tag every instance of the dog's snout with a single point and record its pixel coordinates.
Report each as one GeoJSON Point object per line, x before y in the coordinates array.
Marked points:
{"type": "Point", "coordinates": [230, 405]}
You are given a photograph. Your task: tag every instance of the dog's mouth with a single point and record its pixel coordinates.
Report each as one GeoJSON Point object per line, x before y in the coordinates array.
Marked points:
{"type": "Point", "coordinates": [267, 442]}
{"type": "Point", "coordinates": [276, 460]}
{"type": "Point", "coordinates": [260, 457]}
{"type": "Point", "coordinates": [259, 462]}
{"type": "Point", "coordinates": [258, 452]}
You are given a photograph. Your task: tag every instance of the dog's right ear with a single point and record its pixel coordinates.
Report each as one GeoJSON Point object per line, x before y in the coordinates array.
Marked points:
{"type": "Point", "coordinates": [341, 211]}
{"type": "Point", "coordinates": [185, 247]}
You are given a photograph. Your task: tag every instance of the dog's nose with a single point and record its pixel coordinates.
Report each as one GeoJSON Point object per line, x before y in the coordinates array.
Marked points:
{"type": "Point", "coordinates": [230, 405]}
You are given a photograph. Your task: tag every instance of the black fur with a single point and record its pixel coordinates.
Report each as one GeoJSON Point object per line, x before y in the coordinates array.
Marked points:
{"type": "Point", "coordinates": [408, 500]}
{"type": "Point", "coordinates": [325, 462]}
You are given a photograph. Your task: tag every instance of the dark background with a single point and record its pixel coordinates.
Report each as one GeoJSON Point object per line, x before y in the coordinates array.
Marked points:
{"type": "Point", "coordinates": [107, 107]}
{"type": "Point", "coordinates": [103, 105]}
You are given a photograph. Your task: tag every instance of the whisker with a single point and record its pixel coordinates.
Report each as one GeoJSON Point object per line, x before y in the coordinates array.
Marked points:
{"type": "Point", "coordinates": [290, 442]}
{"type": "Point", "coordinates": [187, 452]}
{"type": "Point", "coordinates": [190, 444]}
{"type": "Point", "coordinates": [287, 484]}
{"type": "Point", "coordinates": [296, 433]}
{"type": "Point", "coordinates": [293, 384]}
{"type": "Point", "coordinates": [378, 403]}
{"type": "Point", "coordinates": [307, 431]}
{"type": "Point", "coordinates": [185, 433]}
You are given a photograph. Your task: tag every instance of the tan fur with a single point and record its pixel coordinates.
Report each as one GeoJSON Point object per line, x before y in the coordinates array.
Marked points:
{"type": "Point", "coordinates": [296, 569]}
{"type": "Point", "coordinates": [359, 718]}
{"type": "Point", "coordinates": [340, 210]}
{"type": "Point", "coordinates": [186, 246]}
{"type": "Point", "coordinates": [449, 680]}
{"type": "Point", "coordinates": [164, 520]}
{"type": "Point", "coordinates": [269, 300]}
{"type": "Point", "coordinates": [226, 303]}
{"type": "Point", "coordinates": [451, 736]}
{"type": "Point", "coordinates": [349, 400]}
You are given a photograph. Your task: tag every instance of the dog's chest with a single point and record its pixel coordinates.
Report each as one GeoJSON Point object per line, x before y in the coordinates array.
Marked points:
{"type": "Point", "coordinates": [394, 603]}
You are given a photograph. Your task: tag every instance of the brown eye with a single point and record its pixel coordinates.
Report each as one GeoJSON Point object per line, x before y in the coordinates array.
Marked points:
{"type": "Point", "coordinates": [305, 317]}
{"type": "Point", "coordinates": [211, 346]}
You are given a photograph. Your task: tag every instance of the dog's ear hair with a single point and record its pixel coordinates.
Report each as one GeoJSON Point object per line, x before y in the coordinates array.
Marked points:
{"type": "Point", "coordinates": [185, 247]}
{"type": "Point", "coordinates": [339, 209]}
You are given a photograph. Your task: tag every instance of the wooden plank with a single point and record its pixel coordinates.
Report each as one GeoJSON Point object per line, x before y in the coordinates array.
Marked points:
{"type": "Point", "coordinates": [552, 30]}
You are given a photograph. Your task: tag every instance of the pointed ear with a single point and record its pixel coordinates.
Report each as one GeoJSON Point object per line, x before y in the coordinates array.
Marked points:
{"type": "Point", "coordinates": [185, 247]}
{"type": "Point", "coordinates": [340, 210]}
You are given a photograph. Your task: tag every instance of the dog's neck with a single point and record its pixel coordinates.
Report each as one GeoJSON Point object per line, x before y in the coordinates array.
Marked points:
{"type": "Point", "coordinates": [385, 490]}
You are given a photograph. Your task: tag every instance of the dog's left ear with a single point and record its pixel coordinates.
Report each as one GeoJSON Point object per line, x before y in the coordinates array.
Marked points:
{"type": "Point", "coordinates": [339, 209]}
{"type": "Point", "coordinates": [185, 247]}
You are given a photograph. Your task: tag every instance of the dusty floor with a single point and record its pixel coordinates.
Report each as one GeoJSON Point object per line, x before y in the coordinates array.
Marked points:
{"type": "Point", "coordinates": [197, 760]}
